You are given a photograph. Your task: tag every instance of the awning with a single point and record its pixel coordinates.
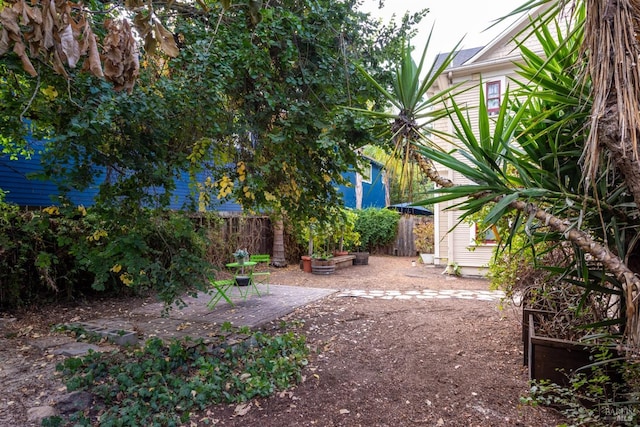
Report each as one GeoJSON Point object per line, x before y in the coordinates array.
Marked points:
{"type": "Point", "coordinates": [406, 208]}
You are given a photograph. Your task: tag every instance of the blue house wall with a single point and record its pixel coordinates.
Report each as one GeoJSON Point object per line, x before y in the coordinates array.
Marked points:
{"type": "Point", "coordinates": [373, 193]}
{"type": "Point", "coordinates": [16, 179]}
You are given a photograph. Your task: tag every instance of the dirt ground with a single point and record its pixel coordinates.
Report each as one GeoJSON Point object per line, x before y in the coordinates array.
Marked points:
{"type": "Point", "coordinates": [377, 360]}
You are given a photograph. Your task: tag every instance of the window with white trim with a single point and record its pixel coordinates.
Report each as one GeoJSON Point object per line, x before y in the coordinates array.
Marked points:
{"type": "Point", "coordinates": [486, 236]}
{"type": "Point", "coordinates": [493, 94]}
{"type": "Point", "coordinates": [366, 173]}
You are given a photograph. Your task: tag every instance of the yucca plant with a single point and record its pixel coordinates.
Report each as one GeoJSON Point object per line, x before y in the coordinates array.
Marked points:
{"type": "Point", "coordinates": [610, 153]}
{"type": "Point", "coordinates": [415, 109]}
{"type": "Point", "coordinates": [527, 163]}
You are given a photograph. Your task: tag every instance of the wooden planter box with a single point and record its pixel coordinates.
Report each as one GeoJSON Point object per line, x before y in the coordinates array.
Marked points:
{"type": "Point", "coordinates": [552, 358]}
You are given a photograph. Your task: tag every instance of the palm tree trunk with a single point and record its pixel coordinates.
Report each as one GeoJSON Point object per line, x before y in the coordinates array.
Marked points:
{"type": "Point", "coordinates": [279, 259]}
{"type": "Point", "coordinates": [612, 48]}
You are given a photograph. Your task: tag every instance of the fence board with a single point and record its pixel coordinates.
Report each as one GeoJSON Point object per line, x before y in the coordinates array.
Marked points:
{"type": "Point", "coordinates": [404, 243]}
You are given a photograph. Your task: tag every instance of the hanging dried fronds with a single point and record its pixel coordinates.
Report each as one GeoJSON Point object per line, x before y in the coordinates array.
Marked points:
{"type": "Point", "coordinates": [121, 65]}
{"type": "Point", "coordinates": [611, 46]}
{"type": "Point", "coordinates": [60, 33]}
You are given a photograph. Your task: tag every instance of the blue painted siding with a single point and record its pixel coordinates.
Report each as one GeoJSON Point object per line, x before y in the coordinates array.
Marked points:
{"type": "Point", "coordinates": [23, 189]}
{"type": "Point", "coordinates": [15, 178]}
{"type": "Point", "coordinates": [373, 194]}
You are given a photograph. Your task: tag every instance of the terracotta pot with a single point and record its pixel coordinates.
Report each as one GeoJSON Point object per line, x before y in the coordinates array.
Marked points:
{"type": "Point", "coordinates": [306, 263]}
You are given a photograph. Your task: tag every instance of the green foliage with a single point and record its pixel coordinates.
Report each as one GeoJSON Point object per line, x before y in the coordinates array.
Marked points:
{"type": "Point", "coordinates": [36, 260]}
{"type": "Point", "coordinates": [76, 250]}
{"type": "Point", "coordinates": [524, 166]}
{"type": "Point", "coordinates": [593, 397]}
{"type": "Point", "coordinates": [145, 249]}
{"type": "Point", "coordinates": [220, 104]}
{"type": "Point", "coordinates": [334, 231]}
{"type": "Point", "coordinates": [406, 182]}
{"type": "Point", "coordinates": [377, 227]}
{"type": "Point", "coordinates": [164, 383]}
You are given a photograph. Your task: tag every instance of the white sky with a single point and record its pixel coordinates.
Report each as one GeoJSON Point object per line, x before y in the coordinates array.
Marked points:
{"type": "Point", "coordinates": [453, 20]}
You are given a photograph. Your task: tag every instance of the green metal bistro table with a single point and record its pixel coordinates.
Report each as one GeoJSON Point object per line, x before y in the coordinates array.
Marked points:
{"type": "Point", "coordinates": [242, 271]}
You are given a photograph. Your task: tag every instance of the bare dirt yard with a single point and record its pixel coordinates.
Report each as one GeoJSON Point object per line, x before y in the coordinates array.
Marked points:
{"type": "Point", "coordinates": [413, 350]}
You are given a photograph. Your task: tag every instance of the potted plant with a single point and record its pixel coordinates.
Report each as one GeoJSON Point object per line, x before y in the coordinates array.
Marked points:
{"type": "Point", "coordinates": [321, 263]}
{"type": "Point", "coordinates": [424, 241]}
{"type": "Point", "coordinates": [344, 233]}
{"type": "Point", "coordinates": [241, 255]}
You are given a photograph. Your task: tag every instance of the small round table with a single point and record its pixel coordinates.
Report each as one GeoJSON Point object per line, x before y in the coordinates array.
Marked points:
{"type": "Point", "coordinates": [239, 268]}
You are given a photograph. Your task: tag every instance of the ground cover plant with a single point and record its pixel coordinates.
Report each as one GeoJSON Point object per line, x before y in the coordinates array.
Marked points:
{"type": "Point", "coordinates": [163, 383]}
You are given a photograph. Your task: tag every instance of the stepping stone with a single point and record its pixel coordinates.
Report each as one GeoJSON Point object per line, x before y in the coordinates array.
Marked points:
{"type": "Point", "coordinates": [75, 349]}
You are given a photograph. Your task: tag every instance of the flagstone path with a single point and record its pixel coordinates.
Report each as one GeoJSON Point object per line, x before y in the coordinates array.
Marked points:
{"type": "Point", "coordinates": [424, 294]}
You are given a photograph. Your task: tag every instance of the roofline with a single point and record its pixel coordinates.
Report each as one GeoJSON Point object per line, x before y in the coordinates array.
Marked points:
{"type": "Point", "coordinates": [500, 37]}
{"type": "Point", "coordinates": [488, 65]}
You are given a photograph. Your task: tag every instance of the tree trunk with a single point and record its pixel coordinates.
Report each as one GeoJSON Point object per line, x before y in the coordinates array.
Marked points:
{"type": "Point", "coordinates": [278, 259]}
{"type": "Point", "coordinates": [611, 44]}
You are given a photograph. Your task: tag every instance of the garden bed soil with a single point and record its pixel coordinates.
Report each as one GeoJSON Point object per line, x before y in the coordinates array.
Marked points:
{"type": "Point", "coordinates": [374, 361]}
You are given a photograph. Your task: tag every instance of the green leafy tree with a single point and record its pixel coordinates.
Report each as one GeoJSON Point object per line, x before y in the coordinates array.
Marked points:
{"type": "Point", "coordinates": [252, 103]}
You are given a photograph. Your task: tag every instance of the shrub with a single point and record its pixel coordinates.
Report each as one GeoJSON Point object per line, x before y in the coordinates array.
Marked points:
{"type": "Point", "coordinates": [424, 238]}
{"type": "Point", "coordinates": [70, 250]}
{"type": "Point", "coordinates": [377, 227]}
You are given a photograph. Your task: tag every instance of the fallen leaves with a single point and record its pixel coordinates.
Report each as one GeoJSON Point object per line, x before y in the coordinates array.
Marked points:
{"type": "Point", "coordinates": [242, 409]}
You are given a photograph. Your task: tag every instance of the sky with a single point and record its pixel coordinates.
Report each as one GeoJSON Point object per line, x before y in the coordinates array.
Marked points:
{"type": "Point", "coordinates": [453, 20]}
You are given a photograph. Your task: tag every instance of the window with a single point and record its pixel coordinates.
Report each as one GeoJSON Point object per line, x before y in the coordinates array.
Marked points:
{"type": "Point", "coordinates": [487, 236]}
{"type": "Point", "coordinates": [367, 171]}
{"type": "Point", "coordinates": [493, 97]}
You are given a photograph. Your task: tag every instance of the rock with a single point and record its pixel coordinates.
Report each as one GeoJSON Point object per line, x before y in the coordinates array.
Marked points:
{"type": "Point", "coordinates": [74, 402]}
{"type": "Point", "coordinates": [38, 413]}
{"type": "Point", "coordinates": [74, 349]}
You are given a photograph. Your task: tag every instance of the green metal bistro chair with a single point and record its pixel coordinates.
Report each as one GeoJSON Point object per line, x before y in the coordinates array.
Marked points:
{"type": "Point", "coordinates": [220, 287]}
{"type": "Point", "coordinates": [261, 277]}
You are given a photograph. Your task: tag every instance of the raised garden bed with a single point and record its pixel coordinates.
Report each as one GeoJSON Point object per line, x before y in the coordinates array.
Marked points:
{"type": "Point", "coordinates": [343, 261]}
{"type": "Point", "coordinates": [553, 359]}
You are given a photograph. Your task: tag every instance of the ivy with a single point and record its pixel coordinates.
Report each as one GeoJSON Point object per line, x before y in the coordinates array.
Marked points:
{"type": "Point", "coordinates": [164, 383]}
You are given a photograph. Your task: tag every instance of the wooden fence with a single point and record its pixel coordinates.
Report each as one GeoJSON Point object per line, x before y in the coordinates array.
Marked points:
{"type": "Point", "coordinates": [232, 232]}
{"type": "Point", "coordinates": [229, 233]}
{"type": "Point", "coordinates": [404, 245]}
